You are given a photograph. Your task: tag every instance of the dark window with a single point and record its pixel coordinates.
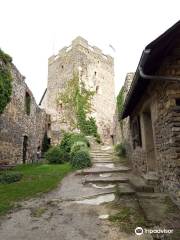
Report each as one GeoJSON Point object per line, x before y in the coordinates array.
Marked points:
{"type": "Point", "coordinates": [136, 132]}
{"type": "Point", "coordinates": [95, 73]}
{"type": "Point", "coordinates": [25, 146]}
{"type": "Point", "coordinates": [27, 103]}
{"type": "Point", "coordinates": [62, 66]}
{"type": "Point", "coordinates": [97, 89]}
{"type": "Point", "coordinates": [177, 101]}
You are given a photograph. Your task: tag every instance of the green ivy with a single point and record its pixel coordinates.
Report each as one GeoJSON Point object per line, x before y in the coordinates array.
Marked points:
{"type": "Point", "coordinates": [76, 99]}
{"type": "Point", "coordinates": [5, 80]}
{"type": "Point", "coordinates": [120, 100]}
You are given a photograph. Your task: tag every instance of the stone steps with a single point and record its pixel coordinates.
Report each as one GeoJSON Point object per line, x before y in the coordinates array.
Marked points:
{"type": "Point", "coordinates": [125, 189]}
{"type": "Point", "coordinates": [106, 180]}
{"type": "Point", "coordinates": [139, 185]}
{"type": "Point", "coordinates": [122, 169]}
{"type": "Point", "coordinates": [101, 156]}
{"type": "Point", "coordinates": [104, 161]}
{"type": "Point", "coordinates": [151, 178]}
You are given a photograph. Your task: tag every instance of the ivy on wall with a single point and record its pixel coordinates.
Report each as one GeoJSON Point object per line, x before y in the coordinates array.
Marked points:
{"type": "Point", "coordinates": [75, 101]}
{"type": "Point", "coordinates": [5, 80]}
{"type": "Point", "coordinates": [120, 100]}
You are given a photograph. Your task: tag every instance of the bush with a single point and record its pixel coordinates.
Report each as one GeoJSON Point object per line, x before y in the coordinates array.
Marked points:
{"type": "Point", "coordinates": [98, 138]}
{"type": "Point", "coordinates": [68, 141]}
{"type": "Point", "coordinates": [10, 177]}
{"type": "Point", "coordinates": [76, 137]}
{"type": "Point", "coordinates": [77, 146]}
{"type": "Point", "coordinates": [120, 150]}
{"type": "Point", "coordinates": [55, 155]}
{"type": "Point", "coordinates": [81, 159]}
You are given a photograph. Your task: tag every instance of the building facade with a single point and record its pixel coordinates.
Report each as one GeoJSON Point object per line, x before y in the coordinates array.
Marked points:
{"type": "Point", "coordinates": [96, 71]}
{"type": "Point", "coordinates": [153, 106]}
{"type": "Point", "coordinates": [22, 124]}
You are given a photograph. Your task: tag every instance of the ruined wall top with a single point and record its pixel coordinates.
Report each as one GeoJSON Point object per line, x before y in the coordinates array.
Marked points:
{"type": "Point", "coordinates": [81, 43]}
{"type": "Point", "coordinates": [127, 83]}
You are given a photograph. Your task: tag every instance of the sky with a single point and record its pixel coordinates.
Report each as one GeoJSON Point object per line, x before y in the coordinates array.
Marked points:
{"type": "Point", "coordinates": [33, 30]}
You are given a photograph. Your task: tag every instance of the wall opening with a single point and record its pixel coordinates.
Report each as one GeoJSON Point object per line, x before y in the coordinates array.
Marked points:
{"type": "Point", "coordinates": [136, 132]}
{"type": "Point", "coordinates": [27, 103]}
{"type": "Point", "coordinates": [25, 146]}
{"type": "Point", "coordinates": [97, 89]}
{"type": "Point", "coordinates": [149, 140]}
{"type": "Point", "coordinates": [177, 101]}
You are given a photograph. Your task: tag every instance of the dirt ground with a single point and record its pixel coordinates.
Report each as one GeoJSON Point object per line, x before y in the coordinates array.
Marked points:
{"type": "Point", "coordinates": [57, 216]}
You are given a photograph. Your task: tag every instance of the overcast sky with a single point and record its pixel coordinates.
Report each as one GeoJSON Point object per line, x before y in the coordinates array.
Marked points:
{"type": "Point", "coordinates": [33, 30]}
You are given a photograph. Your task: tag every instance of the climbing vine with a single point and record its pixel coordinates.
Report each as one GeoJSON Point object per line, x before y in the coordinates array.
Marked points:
{"type": "Point", "coordinates": [120, 100]}
{"type": "Point", "coordinates": [5, 80]}
{"type": "Point", "coordinates": [75, 103]}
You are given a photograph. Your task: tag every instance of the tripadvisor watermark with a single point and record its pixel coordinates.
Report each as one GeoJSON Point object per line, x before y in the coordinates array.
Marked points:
{"type": "Point", "coordinates": [139, 231]}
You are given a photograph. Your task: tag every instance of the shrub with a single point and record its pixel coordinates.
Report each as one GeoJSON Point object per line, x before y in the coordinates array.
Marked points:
{"type": "Point", "coordinates": [120, 150]}
{"type": "Point", "coordinates": [81, 159]}
{"type": "Point", "coordinates": [68, 141]}
{"type": "Point", "coordinates": [75, 137]}
{"type": "Point", "coordinates": [10, 177]}
{"type": "Point", "coordinates": [77, 146]}
{"type": "Point", "coordinates": [55, 155]}
{"type": "Point", "coordinates": [98, 138]}
{"type": "Point", "coordinates": [65, 144]}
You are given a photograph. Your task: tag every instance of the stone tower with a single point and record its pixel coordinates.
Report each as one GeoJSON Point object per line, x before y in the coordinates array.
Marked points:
{"type": "Point", "coordinates": [96, 70]}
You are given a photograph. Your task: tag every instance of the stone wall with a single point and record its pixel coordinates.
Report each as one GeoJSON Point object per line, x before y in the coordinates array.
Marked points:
{"type": "Point", "coordinates": [121, 130]}
{"type": "Point", "coordinates": [96, 70]}
{"type": "Point", "coordinates": [15, 124]}
{"type": "Point", "coordinates": [163, 99]}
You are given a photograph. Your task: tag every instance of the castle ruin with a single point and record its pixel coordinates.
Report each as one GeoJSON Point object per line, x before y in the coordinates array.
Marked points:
{"type": "Point", "coordinates": [96, 70]}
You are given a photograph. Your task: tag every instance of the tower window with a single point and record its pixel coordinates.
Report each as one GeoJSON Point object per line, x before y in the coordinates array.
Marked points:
{"type": "Point", "coordinates": [62, 66]}
{"type": "Point", "coordinates": [95, 73]}
{"type": "Point", "coordinates": [27, 103]}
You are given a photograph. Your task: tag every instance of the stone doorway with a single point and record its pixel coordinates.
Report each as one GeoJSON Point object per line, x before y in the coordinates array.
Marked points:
{"type": "Point", "coordinates": [149, 141]}
{"type": "Point", "coordinates": [25, 145]}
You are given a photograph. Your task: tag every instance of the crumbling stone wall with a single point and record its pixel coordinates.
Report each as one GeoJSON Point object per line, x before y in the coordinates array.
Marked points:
{"type": "Point", "coordinates": [121, 130]}
{"type": "Point", "coordinates": [15, 123]}
{"type": "Point", "coordinates": [96, 70]}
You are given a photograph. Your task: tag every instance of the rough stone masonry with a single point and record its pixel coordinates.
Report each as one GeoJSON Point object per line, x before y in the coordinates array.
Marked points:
{"type": "Point", "coordinates": [22, 124]}
{"type": "Point", "coordinates": [96, 70]}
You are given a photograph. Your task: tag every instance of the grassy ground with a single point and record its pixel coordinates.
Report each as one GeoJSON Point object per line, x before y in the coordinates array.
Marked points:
{"type": "Point", "coordinates": [37, 179]}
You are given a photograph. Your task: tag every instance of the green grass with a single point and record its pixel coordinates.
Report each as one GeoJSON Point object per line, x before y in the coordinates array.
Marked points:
{"type": "Point", "coordinates": [128, 219]}
{"type": "Point", "coordinates": [37, 179]}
